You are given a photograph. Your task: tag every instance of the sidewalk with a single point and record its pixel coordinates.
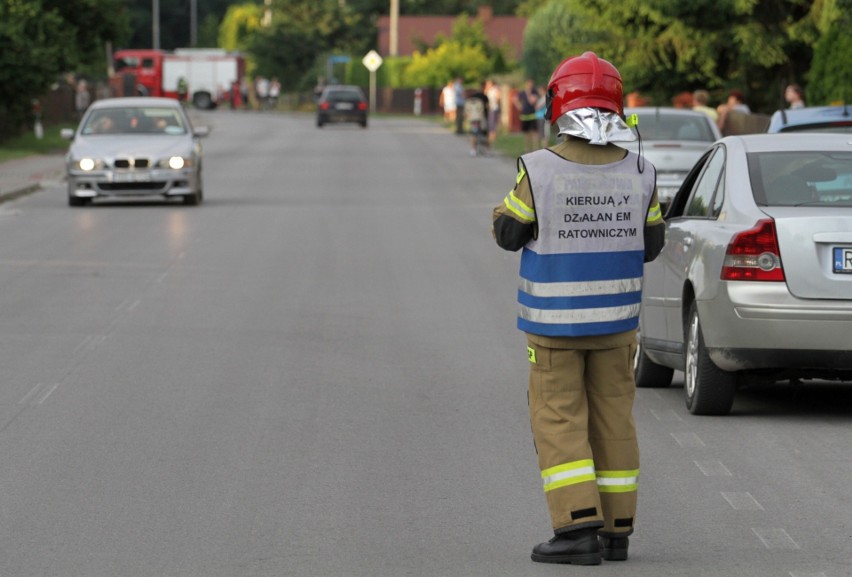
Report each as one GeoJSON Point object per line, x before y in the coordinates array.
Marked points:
{"type": "Point", "coordinates": [24, 175]}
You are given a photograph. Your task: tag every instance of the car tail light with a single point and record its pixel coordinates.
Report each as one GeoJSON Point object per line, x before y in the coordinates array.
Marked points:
{"type": "Point", "coordinates": [324, 106]}
{"type": "Point", "coordinates": [753, 255]}
{"type": "Point", "coordinates": [362, 106]}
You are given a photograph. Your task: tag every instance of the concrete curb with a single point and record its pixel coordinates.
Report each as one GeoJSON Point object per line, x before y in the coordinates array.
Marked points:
{"type": "Point", "coordinates": [26, 175]}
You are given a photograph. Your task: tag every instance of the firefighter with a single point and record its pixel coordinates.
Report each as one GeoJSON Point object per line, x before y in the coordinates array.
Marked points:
{"type": "Point", "coordinates": [182, 89]}
{"type": "Point", "coordinates": [586, 214]}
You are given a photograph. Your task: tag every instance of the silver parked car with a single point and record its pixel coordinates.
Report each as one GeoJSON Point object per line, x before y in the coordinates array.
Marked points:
{"type": "Point", "coordinates": [673, 139]}
{"type": "Point", "coordinates": [134, 147]}
{"type": "Point", "coordinates": [755, 281]}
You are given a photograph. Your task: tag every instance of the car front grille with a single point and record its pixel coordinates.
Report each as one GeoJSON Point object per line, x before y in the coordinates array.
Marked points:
{"type": "Point", "coordinates": [132, 163]}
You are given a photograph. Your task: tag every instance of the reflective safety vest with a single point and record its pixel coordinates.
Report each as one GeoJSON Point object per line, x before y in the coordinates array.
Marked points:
{"type": "Point", "coordinates": [582, 275]}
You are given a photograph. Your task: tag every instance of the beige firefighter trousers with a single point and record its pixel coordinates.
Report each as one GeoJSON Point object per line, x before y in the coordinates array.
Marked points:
{"type": "Point", "coordinates": [581, 412]}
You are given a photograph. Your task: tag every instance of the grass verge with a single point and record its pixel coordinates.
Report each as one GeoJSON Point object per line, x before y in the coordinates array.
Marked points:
{"type": "Point", "coordinates": [27, 144]}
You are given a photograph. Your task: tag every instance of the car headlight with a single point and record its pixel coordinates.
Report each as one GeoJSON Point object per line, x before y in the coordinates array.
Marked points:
{"type": "Point", "coordinates": [176, 162]}
{"type": "Point", "coordinates": [87, 164]}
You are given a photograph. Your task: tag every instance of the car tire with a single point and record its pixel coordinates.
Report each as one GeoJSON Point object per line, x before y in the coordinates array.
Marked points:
{"type": "Point", "coordinates": [363, 123]}
{"type": "Point", "coordinates": [320, 122]}
{"type": "Point", "coordinates": [647, 373]}
{"type": "Point", "coordinates": [76, 201]}
{"type": "Point", "coordinates": [193, 199]}
{"type": "Point", "coordinates": [202, 101]}
{"type": "Point", "coordinates": [708, 390]}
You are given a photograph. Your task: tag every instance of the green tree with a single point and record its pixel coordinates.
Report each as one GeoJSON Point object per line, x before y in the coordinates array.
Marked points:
{"type": "Point", "coordinates": [239, 25]}
{"type": "Point", "coordinates": [829, 79]}
{"type": "Point", "coordinates": [559, 29]}
{"type": "Point", "coordinates": [41, 39]}
{"type": "Point", "coordinates": [663, 47]}
{"type": "Point", "coordinates": [299, 37]}
{"type": "Point", "coordinates": [449, 60]}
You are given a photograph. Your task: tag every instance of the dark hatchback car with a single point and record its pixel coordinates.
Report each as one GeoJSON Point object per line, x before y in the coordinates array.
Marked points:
{"type": "Point", "coordinates": [342, 103]}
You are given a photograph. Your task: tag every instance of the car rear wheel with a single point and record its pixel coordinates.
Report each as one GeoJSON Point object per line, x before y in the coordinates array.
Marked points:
{"type": "Point", "coordinates": [647, 373]}
{"type": "Point", "coordinates": [708, 390]}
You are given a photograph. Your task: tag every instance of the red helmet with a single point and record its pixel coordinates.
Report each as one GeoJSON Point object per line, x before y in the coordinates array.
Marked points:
{"type": "Point", "coordinates": [584, 82]}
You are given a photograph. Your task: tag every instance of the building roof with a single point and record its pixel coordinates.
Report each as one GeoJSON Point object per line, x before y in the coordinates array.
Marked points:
{"type": "Point", "coordinates": [416, 31]}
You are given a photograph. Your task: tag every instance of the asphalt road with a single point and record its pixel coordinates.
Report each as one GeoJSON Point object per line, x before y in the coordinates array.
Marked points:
{"type": "Point", "coordinates": [317, 373]}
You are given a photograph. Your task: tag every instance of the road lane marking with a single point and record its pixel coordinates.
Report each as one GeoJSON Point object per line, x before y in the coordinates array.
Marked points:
{"type": "Point", "coordinates": [664, 416]}
{"type": "Point", "coordinates": [775, 538]}
{"type": "Point", "coordinates": [713, 469]}
{"type": "Point", "coordinates": [800, 574]}
{"type": "Point", "coordinates": [686, 440]}
{"type": "Point", "coordinates": [84, 343]}
{"type": "Point", "coordinates": [29, 395]}
{"type": "Point", "coordinates": [742, 501]}
{"type": "Point", "coordinates": [47, 394]}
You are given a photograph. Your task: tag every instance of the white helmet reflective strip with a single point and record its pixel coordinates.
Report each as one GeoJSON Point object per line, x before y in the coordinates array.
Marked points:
{"type": "Point", "coordinates": [618, 481]}
{"type": "Point", "coordinates": [568, 474]}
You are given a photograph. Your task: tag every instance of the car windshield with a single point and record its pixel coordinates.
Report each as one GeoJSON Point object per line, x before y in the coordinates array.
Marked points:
{"type": "Point", "coordinates": [656, 126]}
{"type": "Point", "coordinates": [807, 178]}
{"type": "Point", "coordinates": [135, 120]}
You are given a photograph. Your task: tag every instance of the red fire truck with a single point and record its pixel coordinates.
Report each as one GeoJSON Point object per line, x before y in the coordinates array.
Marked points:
{"type": "Point", "coordinates": [210, 74]}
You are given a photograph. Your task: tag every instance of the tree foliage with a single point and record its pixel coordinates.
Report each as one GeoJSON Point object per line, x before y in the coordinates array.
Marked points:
{"type": "Point", "coordinates": [42, 39]}
{"type": "Point", "coordinates": [239, 25]}
{"type": "Point", "coordinates": [663, 47]}
{"type": "Point", "coordinates": [467, 53]}
{"type": "Point", "coordinates": [829, 79]}
{"type": "Point", "coordinates": [300, 35]}
{"type": "Point", "coordinates": [449, 60]}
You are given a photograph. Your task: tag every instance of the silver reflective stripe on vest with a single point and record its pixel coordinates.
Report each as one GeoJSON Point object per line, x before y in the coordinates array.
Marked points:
{"type": "Point", "coordinates": [576, 289]}
{"type": "Point", "coordinates": [577, 316]}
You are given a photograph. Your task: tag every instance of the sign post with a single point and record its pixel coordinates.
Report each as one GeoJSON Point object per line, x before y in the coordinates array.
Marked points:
{"type": "Point", "coordinates": [372, 61]}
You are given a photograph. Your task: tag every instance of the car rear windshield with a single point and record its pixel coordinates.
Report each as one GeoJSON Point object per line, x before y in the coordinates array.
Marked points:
{"type": "Point", "coordinates": [836, 127]}
{"type": "Point", "coordinates": [675, 127]}
{"type": "Point", "coordinates": [807, 178]}
{"type": "Point", "coordinates": [134, 120]}
{"type": "Point", "coordinates": [344, 96]}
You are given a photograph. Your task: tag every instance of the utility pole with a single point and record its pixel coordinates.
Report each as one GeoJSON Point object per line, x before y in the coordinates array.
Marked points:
{"type": "Point", "coordinates": [155, 24]}
{"type": "Point", "coordinates": [394, 28]}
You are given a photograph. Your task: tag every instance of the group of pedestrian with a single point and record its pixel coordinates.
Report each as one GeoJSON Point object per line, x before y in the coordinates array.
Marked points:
{"type": "Point", "coordinates": [462, 106]}
{"type": "Point", "coordinates": [480, 109]}
{"type": "Point", "coordinates": [267, 91]}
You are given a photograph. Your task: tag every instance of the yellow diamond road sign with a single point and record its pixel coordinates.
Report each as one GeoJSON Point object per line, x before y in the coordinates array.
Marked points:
{"type": "Point", "coordinates": [372, 60]}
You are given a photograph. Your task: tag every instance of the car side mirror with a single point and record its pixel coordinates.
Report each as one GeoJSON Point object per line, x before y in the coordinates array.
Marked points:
{"type": "Point", "coordinates": [67, 133]}
{"type": "Point", "coordinates": [201, 131]}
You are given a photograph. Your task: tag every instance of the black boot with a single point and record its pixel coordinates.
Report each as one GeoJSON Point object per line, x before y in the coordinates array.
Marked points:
{"type": "Point", "coordinates": [575, 547]}
{"type": "Point", "coordinates": [614, 548]}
